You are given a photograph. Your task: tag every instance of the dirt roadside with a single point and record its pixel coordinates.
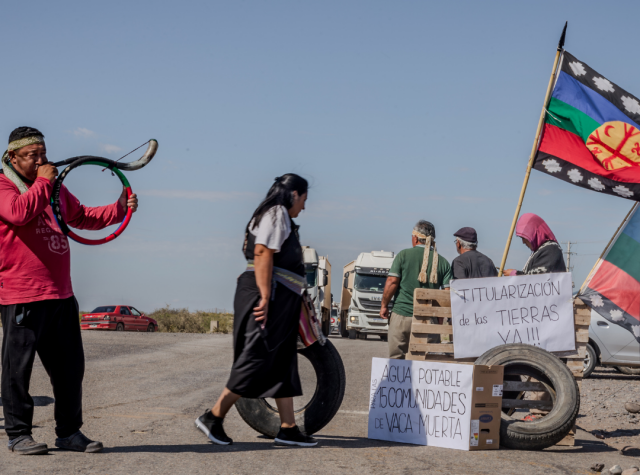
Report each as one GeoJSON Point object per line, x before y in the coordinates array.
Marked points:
{"type": "Point", "coordinates": [602, 411]}
{"type": "Point", "coordinates": [142, 392]}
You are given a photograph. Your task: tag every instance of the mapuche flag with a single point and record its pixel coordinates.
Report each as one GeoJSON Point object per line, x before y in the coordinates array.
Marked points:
{"type": "Point", "coordinates": [591, 135]}
{"type": "Point", "coordinates": [614, 287]}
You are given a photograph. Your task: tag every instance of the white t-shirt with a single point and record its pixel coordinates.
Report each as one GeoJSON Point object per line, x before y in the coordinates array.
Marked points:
{"type": "Point", "coordinates": [272, 233]}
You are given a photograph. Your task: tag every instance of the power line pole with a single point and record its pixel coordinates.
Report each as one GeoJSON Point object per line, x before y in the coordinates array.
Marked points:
{"type": "Point", "coordinates": [569, 254]}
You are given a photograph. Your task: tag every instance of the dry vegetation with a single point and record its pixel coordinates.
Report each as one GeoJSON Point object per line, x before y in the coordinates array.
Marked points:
{"type": "Point", "coordinates": [180, 320]}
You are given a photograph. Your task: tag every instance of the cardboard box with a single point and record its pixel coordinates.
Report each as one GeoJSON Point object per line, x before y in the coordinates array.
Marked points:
{"type": "Point", "coordinates": [486, 407]}
{"type": "Point", "coordinates": [436, 403]}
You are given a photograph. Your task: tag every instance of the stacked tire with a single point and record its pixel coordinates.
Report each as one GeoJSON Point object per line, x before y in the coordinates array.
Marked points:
{"type": "Point", "coordinates": [524, 360]}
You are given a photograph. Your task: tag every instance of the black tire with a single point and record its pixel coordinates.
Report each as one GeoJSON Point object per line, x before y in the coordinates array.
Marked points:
{"type": "Point", "coordinates": [590, 361]}
{"type": "Point", "coordinates": [628, 370]}
{"type": "Point", "coordinates": [384, 337]}
{"type": "Point", "coordinates": [151, 328]}
{"type": "Point", "coordinates": [548, 369]}
{"type": "Point", "coordinates": [344, 333]}
{"type": "Point", "coordinates": [120, 327]}
{"type": "Point", "coordinates": [353, 334]}
{"type": "Point", "coordinates": [362, 336]}
{"type": "Point", "coordinates": [322, 406]}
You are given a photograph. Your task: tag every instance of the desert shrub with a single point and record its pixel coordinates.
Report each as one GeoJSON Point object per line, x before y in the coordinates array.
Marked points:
{"type": "Point", "coordinates": [180, 320]}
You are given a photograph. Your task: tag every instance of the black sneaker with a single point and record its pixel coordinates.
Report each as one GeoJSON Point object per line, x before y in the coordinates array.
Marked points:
{"type": "Point", "coordinates": [79, 442]}
{"type": "Point", "coordinates": [293, 436]}
{"type": "Point", "coordinates": [25, 445]}
{"type": "Point", "coordinates": [212, 428]}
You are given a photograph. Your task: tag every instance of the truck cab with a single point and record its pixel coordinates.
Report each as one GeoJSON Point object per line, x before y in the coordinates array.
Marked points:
{"type": "Point", "coordinates": [363, 285]}
{"type": "Point", "coordinates": [318, 284]}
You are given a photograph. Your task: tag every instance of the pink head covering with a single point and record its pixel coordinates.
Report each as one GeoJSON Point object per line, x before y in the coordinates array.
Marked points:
{"type": "Point", "coordinates": [533, 228]}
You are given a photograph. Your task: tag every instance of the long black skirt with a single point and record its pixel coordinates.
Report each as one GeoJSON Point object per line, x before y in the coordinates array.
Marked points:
{"type": "Point", "coordinates": [265, 362]}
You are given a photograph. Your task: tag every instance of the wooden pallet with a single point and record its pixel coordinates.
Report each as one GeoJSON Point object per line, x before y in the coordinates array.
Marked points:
{"type": "Point", "coordinates": [429, 303]}
{"type": "Point", "coordinates": [575, 359]}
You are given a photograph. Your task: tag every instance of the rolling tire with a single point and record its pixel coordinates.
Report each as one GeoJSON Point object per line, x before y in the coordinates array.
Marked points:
{"type": "Point", "coordinates": [384, 337]}
{"type": "Point", "coordinates": [353, 334]}
{"type": "Point", "coordinates": [362, 336]}
{"type": "Point", "coordinates": [549, 370]}
{"type": "Point", "coordinates": [151, 328]}
{"type": "Point", "coordinates": [120, 327]}
{"type": "Point", "coordinates": [590, 361]}
{"type": "Point", "coordinates": [628, 370]}
{"type": "Point", "coordinates": [322, 406]}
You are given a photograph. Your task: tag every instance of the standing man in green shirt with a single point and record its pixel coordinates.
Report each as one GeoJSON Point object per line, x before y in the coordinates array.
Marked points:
{"type": "Point", "coordinates": [417, 267]}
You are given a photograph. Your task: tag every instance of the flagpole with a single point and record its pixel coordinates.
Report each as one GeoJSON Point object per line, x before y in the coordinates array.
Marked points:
{"type": "Point", "coordinates": [534, 149]}
{"type": "Point", "coordinates": [606, 248]}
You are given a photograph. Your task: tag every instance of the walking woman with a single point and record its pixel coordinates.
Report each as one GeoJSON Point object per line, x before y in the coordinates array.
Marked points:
{"type": "Point", "coordinates": [266, 315]}
{"type": "Point", "coordinates": [546, 254]}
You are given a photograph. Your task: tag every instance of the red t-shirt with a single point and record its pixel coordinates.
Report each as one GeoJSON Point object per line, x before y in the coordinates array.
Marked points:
{"type": "Point", "coordinates": [34, 253]}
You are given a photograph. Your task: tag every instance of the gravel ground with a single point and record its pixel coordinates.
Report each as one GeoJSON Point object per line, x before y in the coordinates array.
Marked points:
{"type": "Point", "coordinates": [143, 391]}
{"type": "Point", "coordinates": [602, 409]}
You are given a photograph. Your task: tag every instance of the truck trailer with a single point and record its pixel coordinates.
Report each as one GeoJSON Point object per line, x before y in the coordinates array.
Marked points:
{"type": "Point", "coordinates": [318, 275]}
{"type": "Point", "coordinates": [362, 287]}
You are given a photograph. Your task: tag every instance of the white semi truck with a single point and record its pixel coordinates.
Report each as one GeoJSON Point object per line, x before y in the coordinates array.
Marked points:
{"type": "Point", "coordinates": [361, 299]}
{"type": "Point", "coordinates": [335, 317]}
{"type": "Point", "coordinates": [318, 274]}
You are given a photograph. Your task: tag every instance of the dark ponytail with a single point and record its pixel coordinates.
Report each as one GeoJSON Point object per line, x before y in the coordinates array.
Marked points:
{"type": "Point", "coordinates": [281, 193]}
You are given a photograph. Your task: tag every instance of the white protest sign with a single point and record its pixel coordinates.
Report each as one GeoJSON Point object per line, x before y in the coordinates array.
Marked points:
{"type": "Point", "coordinates": [531, 309]}
{"type": "Point", "coordinates": [421, 402]}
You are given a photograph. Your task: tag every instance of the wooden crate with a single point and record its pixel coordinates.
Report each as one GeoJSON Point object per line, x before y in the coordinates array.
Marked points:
{"type": "Point", "coordinates": [429, 303]}
{"type": "Point", "coordinates": [575, 359]}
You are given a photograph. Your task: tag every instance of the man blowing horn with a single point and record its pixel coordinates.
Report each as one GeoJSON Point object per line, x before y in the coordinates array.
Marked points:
{"type": "Point", "coordinates": [39, 312]}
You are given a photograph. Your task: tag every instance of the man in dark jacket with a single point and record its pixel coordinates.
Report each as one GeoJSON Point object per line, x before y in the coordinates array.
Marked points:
{"type": "Point", "coordinates": [470, 263]}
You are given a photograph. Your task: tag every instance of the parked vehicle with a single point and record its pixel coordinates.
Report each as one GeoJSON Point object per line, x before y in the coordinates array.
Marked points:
{"type": "Point", "coordinates": [362, 288]}
{"type": "Point", "coordinates": [611, 345]}
{"type": "Point", "coordinates": [335, 318]}
{"type": "Point", "coordinates": [318, 271]}
{"type": "Point", "coordinates": [119, 318]}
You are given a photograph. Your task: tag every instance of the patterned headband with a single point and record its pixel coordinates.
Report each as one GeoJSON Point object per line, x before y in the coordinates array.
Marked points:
{"type": "Point", "coordinates": [16, 144]}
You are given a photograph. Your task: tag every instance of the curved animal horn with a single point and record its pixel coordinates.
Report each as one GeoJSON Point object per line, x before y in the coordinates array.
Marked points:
{"type": "Point", "coordinates": [142, 161]}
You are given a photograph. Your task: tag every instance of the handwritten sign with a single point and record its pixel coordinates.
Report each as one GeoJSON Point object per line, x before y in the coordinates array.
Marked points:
{"type": "Point", "coordinates": [530, 309]}
{"type": "Point", "coordinates": [421, 402]}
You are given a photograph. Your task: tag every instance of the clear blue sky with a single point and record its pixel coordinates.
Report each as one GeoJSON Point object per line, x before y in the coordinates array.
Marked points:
{"type": "Point", "coordinates": [395, 111]}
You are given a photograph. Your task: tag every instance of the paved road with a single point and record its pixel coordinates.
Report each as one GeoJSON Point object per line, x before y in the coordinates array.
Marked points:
{"type": "Point", "coordinates": [143, 392]}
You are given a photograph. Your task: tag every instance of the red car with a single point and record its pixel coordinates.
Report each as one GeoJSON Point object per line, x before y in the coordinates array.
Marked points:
{"type": "Point", "coordinates": [119, 318]}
